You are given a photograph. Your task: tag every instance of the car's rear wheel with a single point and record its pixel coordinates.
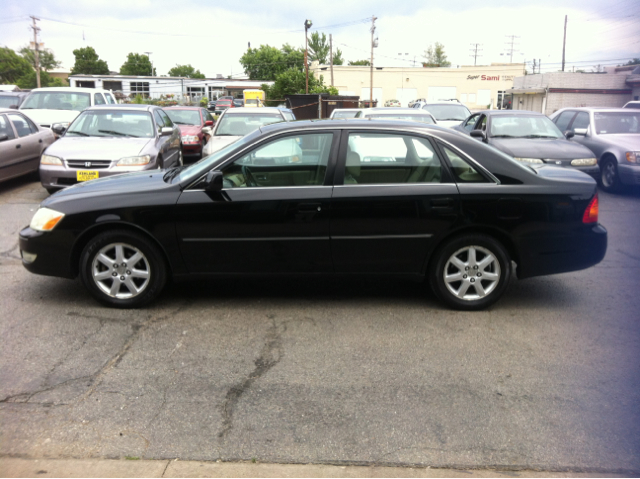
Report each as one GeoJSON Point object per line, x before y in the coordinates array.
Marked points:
{"type": "Point", "coordinates": [609, 177]}
{"type": "Point", "coordinates": [123, 269]}
{"type": "Point", "coordinates": [470, 272]}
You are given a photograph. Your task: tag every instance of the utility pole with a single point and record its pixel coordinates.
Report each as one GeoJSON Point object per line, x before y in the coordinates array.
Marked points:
{"type": "Point", "coordinates": [475, 51]}
{"type": "Point", "coordinates": [512, 43]}
{"type": "Point", "coordinates": [331, 56]}
{"type": "Point", "coordinates": [36, 29]}
{"type": "Point", "coordinates": [534, 66]}
{"type": "Point", "coordinates": [307, 25]}
{"type": "Point", "coordinates": [564, 42]}
{"type": "Point", "coordinates": [149, 58]}
{"type": "Point", "coordinates": [374, 43]}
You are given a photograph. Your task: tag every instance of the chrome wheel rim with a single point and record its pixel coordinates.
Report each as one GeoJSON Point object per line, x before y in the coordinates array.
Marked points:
{"type": "Point", "coordinates": [472, 273]}
{"type": "Point", "coordinates": [180, 159]}
{"type": "Point", "coordinates": [121, 271]}
{"type": "Point", "coordinates": [609, 174]}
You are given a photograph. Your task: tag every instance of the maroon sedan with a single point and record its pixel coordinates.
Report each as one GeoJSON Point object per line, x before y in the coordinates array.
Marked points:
{"type": "Point", "coordinates": [191, 120]}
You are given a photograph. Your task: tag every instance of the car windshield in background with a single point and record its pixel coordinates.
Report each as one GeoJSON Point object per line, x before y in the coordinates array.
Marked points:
{"type": "Point", "coordinates": [53, 100]}
{"type": "Point", "coordinates": [419, 118]}
{"type": "Point", "coordinates": [240, 125]}
{"type": "Point", "coordinates": [6, 101]}
{"type": "Point", "coordinates": [184, 117]}
{"type": "Point", "coordinates": [447, 112]}
{"type": "Point", "coordinates": [611, 123]}
{"type": "Point", "coordinates": [131, 124]}
{"type": "Point", "coordinates": [344, 114]}
{"type": "Point", "coordinates": [523, 127]}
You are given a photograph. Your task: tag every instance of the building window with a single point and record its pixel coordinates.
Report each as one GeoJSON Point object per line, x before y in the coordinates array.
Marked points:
{"type": "Point", "coordinates": [141, 88]}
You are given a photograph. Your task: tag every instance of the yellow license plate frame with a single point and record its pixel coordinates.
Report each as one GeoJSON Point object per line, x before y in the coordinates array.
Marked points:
{"type": "Point", "coordinates": [86, 175]}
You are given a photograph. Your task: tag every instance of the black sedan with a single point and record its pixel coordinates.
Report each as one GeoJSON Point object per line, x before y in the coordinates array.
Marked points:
{"type": "Point", "coordinates": [336, 198]}
{"type": "Point", "coordinates": [529, 137]}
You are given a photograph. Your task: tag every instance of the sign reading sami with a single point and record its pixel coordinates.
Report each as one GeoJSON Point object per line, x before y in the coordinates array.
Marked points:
{"type": "Point", "coordinates": [490, 78]}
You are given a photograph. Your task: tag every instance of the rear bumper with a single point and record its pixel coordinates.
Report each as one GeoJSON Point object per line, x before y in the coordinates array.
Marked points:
{"type": "Point", "coordinates": [192, 150]}
{"type": "Point", "coordinates": [562, 254]}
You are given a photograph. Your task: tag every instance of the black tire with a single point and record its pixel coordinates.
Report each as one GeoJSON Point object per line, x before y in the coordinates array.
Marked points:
{"type": "Point", "coordinates": [483, 281]}
{"type": "Point", "coordinates": [609, 178]}
{"type": "Point", "coordinates": [159, 163]}
{"type": "Point", "coordinates": [134, 284]}
{"type": "Point", "coordinates": [51, 190]}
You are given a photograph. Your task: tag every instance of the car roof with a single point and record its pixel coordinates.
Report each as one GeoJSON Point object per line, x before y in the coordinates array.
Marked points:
{"type": "Point", "coordinates": [10, 110]}
{"type": "Point", "coordinates": [124, 106]}
{"type": "Point", "coordinates": [510, 113]}
{"type": "Point", "coordinates": [70, 89]}
{"type": "Point", "coordinates": [266, 109]}
{"type": "Point", "coordinates": [185, 107]}
{"type": "Point", "coordinates": [595, 109]}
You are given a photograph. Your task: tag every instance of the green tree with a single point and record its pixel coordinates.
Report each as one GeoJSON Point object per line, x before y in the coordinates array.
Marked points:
{"type": "Point", "coordinates": [635, 61]}
{"type": "Point", "coordinates": [13, 66]}
{"type": "Point", "coordinates": [293, 82]}
{"type": "Point", "coordinates": [365, 63]}
{"type": "Point", "coordinates": [267, 62]}
{"type": "Point", "coordinates": [337, 57]}
{"type": "Point", "coordinates": [435, 56]}
{"type": "Point", "coordinates": [318, 48]}
{"type": "Point", "coordinates": [88, 63]}
{"type": "Point", "coordinates": [46, 58]}
{"type": "Point", "coordinates": [29, 81]}
{"type": "Point", "coordinates": [137, 65]}
{"type": "Point", "coordinates": [185, 71]}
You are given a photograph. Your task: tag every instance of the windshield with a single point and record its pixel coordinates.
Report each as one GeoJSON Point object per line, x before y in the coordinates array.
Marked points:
{"type": "Point", "coordinates": [345, 114]}
{"type": "Point", "coordinates": [57, 100]}
{"type": "Point", "coordinates": [131, 124]}
{"type": "Point", "coordinates": [184, 117]}
{"type": "Point", "coordinates": [523, 127]}
{"type": "Point", "coordinates": [240, 125]}
{"type": "Point", "coordinates": [7, 100]}
{"type": "Point", "coordinates": [611, 123]}
{"type": "Point", "coordinates": [420, 118]}
{"type": "Point", "coordinates": [200, 167]}
{"type": "Point", "coordinates": [448, 112]}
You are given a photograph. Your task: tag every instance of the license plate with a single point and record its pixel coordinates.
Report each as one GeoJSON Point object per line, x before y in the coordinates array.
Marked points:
{"type": "Point", "coordinates": [86, 175]}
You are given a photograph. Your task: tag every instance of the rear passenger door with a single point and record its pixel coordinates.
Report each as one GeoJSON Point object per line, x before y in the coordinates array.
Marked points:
{"type": "Point", "coordinates": [392, 199]}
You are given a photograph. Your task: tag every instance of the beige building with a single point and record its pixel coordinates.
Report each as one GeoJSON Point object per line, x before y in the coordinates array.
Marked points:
{"type": "Point", "coordinates": [478, 87]}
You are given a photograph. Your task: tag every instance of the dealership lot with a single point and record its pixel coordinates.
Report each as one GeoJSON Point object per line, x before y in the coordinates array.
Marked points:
{"type": "Point", "coordinates": [338, 372]}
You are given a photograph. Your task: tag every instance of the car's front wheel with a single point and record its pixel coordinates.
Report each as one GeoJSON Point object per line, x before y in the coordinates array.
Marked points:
{"type": "Point", "coordinates": [470, 272]}
{"type": "Point", "coordinates": [123, 269]}
{"type": "Point", "coordinates": [609, 175]}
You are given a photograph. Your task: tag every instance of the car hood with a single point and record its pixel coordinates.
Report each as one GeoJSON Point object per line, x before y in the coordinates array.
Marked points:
{"type": "Point", "coordinates": [190, 129]}
{"type": "Point", "coordinates": [629, 142]}
{"type": "Point", "coordinates": [117, 188]}
{"type": "Point", "coordinates": [219, 142]}
{"type": "Point", "coordinates": [49, 117]}
{"type": "Point", "coordinates": [94, 148]}
{"type": "Point", "coordinates": [541, 148]}
{"type": "Point", "coordinates": [448, 123]}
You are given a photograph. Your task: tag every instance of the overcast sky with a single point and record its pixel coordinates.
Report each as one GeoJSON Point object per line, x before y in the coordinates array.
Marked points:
{"type": "Point", "coordinates": [213, 35]}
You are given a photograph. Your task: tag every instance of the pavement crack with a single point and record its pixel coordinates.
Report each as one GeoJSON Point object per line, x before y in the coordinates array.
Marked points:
{"type": "Point", "coordinates": [270, 355]}
{"type": "Point", "coordinates": [26, 397]}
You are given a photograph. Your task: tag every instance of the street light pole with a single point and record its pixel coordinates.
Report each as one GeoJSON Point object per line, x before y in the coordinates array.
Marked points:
{"type": "Point", "coordinates": [307, 25]}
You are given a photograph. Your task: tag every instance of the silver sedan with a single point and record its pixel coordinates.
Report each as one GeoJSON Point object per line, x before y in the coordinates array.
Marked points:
{"type": "Point", "coordinates": [21, 144]}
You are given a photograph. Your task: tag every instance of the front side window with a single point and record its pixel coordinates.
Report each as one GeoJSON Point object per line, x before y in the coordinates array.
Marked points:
{"type": "Point", "coordinates": [581, 121]}
{"type": "Point", "coordinates": [165, 118]}
{"type": "Point", "coordinates": [110, 99]}
{"type": "Point", "coordinates": [299, 160]}
{"type": "Point", "coordinates": [159, 121]}
{"type": "Point", "coordinates": [21, 124]}
{"type": "Point", "coordinates": [5, 128]}
{"type": "Point", "coordinates": [562, 122]}
{"type": "Point", "coordinates": [387, 158]}
{"type": "Point", "coordinates": [98, 99]}
{"type": "Point", "coordinates": [470, 123]}
{"type": "Point", "coordinates": [462, 170]}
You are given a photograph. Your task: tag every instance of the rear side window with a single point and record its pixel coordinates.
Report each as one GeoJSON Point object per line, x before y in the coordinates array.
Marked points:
{"type": "Point", "coordinates": [387, 158]}
{"type": "Point", "coordinates": [462, 170]}
{"type": "Point", "coordinates": [5, 128]}
{"type": "Point", "coordinates": [21, 125]}
{"type": "Point", "coordinates": [98, 99]}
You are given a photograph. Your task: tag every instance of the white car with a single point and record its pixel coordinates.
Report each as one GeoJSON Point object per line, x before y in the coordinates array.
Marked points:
{"type": "Point", "coordinates": [234, 123]}
{"type": "Point", "coordinates": [447, 113]}
{"type": "Point", "coordinates": [60, 105]}
{"type": "Point", "coordinates": [405, 114]}
{"type": "Point", "coordinates": [344, 113]}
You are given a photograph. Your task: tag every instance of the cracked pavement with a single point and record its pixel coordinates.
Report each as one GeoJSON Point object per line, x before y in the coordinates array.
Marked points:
{"type": "Point", "coordinates": [326, 371]}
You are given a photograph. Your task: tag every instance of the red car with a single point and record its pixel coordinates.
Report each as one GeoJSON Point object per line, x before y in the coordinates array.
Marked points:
{"type": "Point", "coordinates": [191, 120]}
{"type": "Point", "coordinates": [223, 104]}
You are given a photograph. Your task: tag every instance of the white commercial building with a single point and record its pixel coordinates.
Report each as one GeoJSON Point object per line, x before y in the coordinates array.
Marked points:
{"type": "Point", "coordinates": [478, 87]}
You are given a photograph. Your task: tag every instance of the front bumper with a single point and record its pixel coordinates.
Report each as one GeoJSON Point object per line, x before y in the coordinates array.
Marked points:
{"type": "Point", "coordinates": [52, 252]}
{"type": "Point", "coordinates": [59, 177]}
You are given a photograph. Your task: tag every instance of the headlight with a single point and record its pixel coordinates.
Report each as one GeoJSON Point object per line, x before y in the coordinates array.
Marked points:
{"type": "Point", "coordinates": [45, 219]}
{"type": "Point", "coordinates": [134, 161]}
{"type": "Point", "coordinates": [529, 160]}
{"type": "Point", "coordinates": [583, 162]}
{"type": "Point", "coordinates": [190, 139]}
{"type": "Point", "coordinates": [50, 160]}
{"type": "Point", "coordinates": [633, 156]}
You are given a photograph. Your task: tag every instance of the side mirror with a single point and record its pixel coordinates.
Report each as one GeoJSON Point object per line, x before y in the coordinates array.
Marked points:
{"type": "Point", "coordinates": [213, 182]}
{"type": "Point", "coordinates": [580, 131]}
{"type": "Point", "coordinates": [13, 107]}
{"type": "Point", "coordinates": [479, 134]}
{"type": "Point", "coordinates": [208, 123]}
{"type": "Point", "coordinates": [58, 129]}
{"type": "Point", "coordinates": [569, 134]}
{"type": "Point", "coordinates": [166, 131]}
{"type": "Point", "coordinates": [4, 137]}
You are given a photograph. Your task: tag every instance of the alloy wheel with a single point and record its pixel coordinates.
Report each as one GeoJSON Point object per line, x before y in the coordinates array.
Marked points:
{"type": "Point", "coordinates": [121, 271]}
{"type": "Point", "coordinates": [472, 273]}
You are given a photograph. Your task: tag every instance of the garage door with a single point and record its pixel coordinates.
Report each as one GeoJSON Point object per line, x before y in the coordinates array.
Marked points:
{"type": "Point", "coordinates": [437, 93]}
{"type": "Point", "coordinates": [405, 95]}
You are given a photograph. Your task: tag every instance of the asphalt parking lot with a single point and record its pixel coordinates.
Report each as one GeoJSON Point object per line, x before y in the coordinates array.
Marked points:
{"type": "Point", "coordinates": [325, 371]}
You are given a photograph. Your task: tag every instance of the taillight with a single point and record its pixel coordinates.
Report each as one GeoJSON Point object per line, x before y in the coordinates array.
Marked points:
{"type": "Point", "coordinates": [591, 213]}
